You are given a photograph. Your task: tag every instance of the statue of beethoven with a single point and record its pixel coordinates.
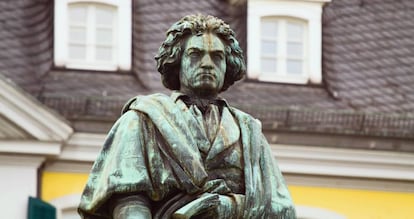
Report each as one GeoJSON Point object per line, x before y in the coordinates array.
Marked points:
{"type": "Point", "coordinates": [190, 154]}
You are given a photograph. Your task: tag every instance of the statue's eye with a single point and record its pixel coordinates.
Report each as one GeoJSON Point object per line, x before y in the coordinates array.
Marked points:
{"type": "Point", "coordinates": [218, 56]}
{"type": "Point", "coordinates": [194, 53]}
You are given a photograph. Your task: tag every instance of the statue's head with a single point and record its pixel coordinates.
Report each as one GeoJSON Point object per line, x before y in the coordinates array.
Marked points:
{"type": "Point", "coordinates": [202, 54]}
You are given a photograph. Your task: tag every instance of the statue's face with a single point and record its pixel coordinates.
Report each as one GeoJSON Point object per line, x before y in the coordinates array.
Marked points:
{"type": "Point", "coordinates": [203, 66]}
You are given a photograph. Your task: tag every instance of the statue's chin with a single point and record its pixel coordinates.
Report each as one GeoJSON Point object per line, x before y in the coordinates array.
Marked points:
{"type": "Point", "coordinates": [203, 89]}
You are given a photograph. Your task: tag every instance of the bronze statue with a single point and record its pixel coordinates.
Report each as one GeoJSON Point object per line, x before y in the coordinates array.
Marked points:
{"type": "Point", "coordinates": [188, 155]}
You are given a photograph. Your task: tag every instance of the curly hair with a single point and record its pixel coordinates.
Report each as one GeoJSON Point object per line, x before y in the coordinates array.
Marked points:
{"type": "Point", "coordinates": [169, 54]}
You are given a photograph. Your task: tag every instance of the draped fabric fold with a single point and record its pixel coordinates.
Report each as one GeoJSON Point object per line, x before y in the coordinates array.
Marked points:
{"type": "Point", "coordinates": [153, 151]}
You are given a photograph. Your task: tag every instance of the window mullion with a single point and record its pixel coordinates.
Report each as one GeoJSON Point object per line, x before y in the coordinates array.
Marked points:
{"type": "Point", "coordinates": [111, 44]}
{"type": "Point", "coordinates": [114, 38]}
{"type": "Point", "coordinates": [90, 51]}
{"type": "Point", "coordinates": [305, 54]}
{"type": "Point", "coordinates": [282, 53]}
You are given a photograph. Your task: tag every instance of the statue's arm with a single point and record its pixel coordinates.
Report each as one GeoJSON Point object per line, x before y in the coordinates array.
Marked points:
{"type": "Point", "coordinates": [131, 207]}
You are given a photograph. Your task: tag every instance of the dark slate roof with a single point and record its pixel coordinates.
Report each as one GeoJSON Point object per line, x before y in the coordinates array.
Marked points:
{"type": "Point", "coordinates": [26, 41]}
{"type": "Point", "coordinates": [84, 93]}
{"type": "Point", "coordinates": [368, 56]}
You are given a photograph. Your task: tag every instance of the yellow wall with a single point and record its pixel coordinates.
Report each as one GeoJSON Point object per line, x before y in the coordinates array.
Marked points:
{"type": "Point", "coordinates": [356, 204]}
{"type": "Point", "coordinates": [352, 203]}
{"type": "Point", "coordinates": [56, 185]}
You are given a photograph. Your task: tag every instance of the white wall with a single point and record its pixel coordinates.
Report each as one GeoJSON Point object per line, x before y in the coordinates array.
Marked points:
{"type": "Point", "coordinates": [18, 181]}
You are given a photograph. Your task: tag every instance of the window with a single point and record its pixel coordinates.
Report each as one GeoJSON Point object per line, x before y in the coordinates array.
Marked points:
{"type": "Point", "coordinates": [93, 34]}
{"type": "Point", "coordinates": [283, 47]}
{"type": "Point", "coordinates": [284, 41]}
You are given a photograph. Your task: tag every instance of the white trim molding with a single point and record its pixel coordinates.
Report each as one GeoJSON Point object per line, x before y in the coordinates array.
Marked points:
{"type": "Point", "coordinates": [307, 10]}
{"type": "Point", "coordinates": [349, 183]}
{"type": "Point", "coordinates": [78, 153]}
{"type": "Point", "coordinates": [30, 115]}
{"type": "Point", "coordinates": [21, 161]}
{"type": "Point", "coordinates": [30, 147]}
{"type": "Point", "coordinates": [323, 161]}
{"type": "Point", "coordinates": [122, 36]}
{"type": "Point", "coordinates": [83, 147]}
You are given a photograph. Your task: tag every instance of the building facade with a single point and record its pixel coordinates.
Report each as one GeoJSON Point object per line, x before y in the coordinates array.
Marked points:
{"type": "Point", "coordinates": [331, 81]}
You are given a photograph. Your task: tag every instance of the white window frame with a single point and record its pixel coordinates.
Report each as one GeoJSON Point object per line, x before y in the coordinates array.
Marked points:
{"type": "Point", "coordinates": [123, 36]}
{"type": "Point", "coordinates": [308, 10]}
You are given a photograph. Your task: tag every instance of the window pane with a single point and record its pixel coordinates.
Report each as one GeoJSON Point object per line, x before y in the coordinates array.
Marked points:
{"type": "Point", "coordinates": [77, 13]}
{"type": "Point", "coordinates": [269, 28]}
{"type": "Point", "coordinates": [295, 50]}
{"type": "Point", "coordinates": [77, 52]}
{"type": "Point", "coordinates": [294, 67]}
{"type": "Point", "coordinates": [294, 31]}
{"type": "Point", "coordinates": [103, 54]}
{"type": "Point", "coordinates": [103, 36]}
{"type": "Point", "coordinates": [269, 47]}
{"type": "Point", "coordinates": [77, 34]}
{"type": "Point", "coordinates": [268, 65]}
{"type": "Point", "coordinates": [105, 15]}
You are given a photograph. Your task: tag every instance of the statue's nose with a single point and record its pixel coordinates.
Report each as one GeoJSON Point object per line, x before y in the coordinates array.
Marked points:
{"type": "Point", "coordinates": [206, 62]}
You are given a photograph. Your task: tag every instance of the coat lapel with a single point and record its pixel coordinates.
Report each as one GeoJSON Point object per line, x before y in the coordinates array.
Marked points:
{"type": "Point", "coordinates": [196, 126]}
{"type": "Point", "coordinates": [227, 135]}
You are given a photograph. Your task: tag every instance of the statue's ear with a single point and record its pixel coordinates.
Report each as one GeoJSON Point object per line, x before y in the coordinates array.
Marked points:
{"type": "Point", "coordinates": [125, 108]}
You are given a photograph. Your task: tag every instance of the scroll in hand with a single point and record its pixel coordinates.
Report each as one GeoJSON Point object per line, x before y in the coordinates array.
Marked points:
{"type": "Point", "coordinates": [203, 204]}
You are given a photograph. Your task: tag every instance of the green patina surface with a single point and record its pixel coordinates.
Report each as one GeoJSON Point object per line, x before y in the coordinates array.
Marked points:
{"type": "Point", "coordinates": [188, 155]}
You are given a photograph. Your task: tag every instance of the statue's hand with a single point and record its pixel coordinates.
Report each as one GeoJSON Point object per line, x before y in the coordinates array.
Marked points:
{"type": "Point", "coordinates": [202, 205]}
{"type": "Point", "coordinates": [217, 186]}
{"type": "Point", "coordinates": [226, 208]}
{"type": "Point", "coordinates": [212, 206]}
{"type": "Point", "coordinates": [231, 206]}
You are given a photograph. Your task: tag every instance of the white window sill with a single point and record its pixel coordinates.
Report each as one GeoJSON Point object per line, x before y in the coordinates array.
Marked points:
{"type": "Point", "coordinates": [283, 79]}
{"type": "Point", "coordinates": [80, 66]}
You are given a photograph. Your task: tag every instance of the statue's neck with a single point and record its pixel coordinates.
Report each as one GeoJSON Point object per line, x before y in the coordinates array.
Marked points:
{"type": "Point", "coordinates": [201, 95]}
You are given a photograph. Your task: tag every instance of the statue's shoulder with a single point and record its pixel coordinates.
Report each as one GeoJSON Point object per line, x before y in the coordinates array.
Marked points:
{"type": "Point", "coordinates": [243, 116]}
{"type": "Point", "coordinates": [134, 102]}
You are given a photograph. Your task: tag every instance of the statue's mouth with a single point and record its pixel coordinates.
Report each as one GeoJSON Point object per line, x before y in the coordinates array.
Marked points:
{"type": "Point", "coordinates": [207, 75]}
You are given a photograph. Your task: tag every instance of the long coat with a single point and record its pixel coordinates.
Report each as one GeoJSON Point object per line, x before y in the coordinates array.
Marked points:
{"type": "Point", "coordinates": [153, 150]}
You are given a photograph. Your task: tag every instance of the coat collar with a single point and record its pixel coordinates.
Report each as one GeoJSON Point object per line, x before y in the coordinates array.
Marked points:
{"type": "Point", "coordinates": [177, 95]}
{"type": "Point", "coordinates": [227, 135]}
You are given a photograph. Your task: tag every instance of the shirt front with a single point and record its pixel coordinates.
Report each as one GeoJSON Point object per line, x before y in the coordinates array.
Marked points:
{"type": "Point", "coordinates": [223, 158]}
